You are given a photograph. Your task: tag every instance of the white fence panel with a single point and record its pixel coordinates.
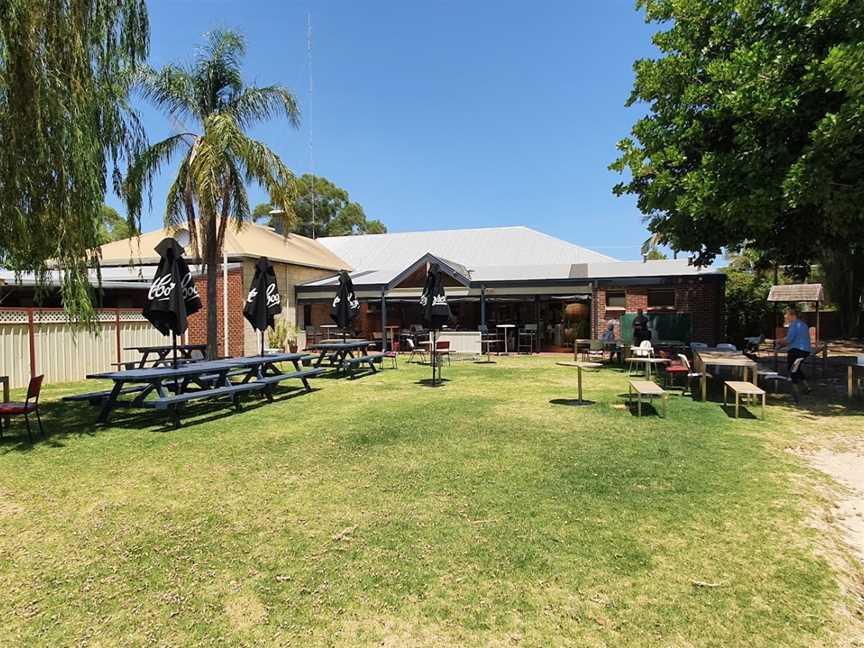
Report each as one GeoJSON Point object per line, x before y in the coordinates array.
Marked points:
{"type": "Point", "coordinates": [64, 354]}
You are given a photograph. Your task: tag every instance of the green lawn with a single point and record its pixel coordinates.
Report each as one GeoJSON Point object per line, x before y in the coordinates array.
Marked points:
{"type": "Point", "coordinates": [384, 512]}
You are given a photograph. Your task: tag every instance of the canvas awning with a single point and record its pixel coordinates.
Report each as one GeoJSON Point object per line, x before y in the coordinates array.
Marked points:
{"type": "Point", "coordinates": [797, 293]}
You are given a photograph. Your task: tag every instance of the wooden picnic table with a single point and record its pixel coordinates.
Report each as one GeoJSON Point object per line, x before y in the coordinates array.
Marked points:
{"type": "Point", "coordinates": [164, 353]}
{"type": "Point", "coordinates": [211, 378]}
{"type": "Point", "coordinates": [336, 352]}
{"type": "Point", "coordinates": [705, 358]}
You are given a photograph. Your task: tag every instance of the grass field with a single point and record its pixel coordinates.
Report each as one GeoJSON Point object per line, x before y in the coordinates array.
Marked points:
{"type": "Point", "coordinates": [381, 511]}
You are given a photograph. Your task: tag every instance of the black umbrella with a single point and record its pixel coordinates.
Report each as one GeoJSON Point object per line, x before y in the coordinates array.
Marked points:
{"type": "Point", "coordinates": [345, 307]}
{"type": "Point", "coordinates": [173, 296]}
{"type": "Point", "coordinates": [436, 311]}
{"type": "Point", "coordinates": [263, 303]}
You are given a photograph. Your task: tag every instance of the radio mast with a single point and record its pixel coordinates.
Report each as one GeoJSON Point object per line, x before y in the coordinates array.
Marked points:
{"type": "Point", "coordinates": [309, 111]}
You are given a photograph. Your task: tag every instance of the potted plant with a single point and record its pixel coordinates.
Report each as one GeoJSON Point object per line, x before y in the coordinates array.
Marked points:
{"type": "Point", "coordinates": [283, 336]}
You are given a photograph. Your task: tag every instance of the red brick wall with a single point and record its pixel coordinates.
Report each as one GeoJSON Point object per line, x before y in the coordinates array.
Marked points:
{"type": "Point", "coordinates": [236, 301]}
{"type": "Point", "coordinates": [704, 301]}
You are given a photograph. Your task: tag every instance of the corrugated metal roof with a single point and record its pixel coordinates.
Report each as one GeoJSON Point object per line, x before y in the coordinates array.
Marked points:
{"type": "Point", "coordinates": [473, 248]}
{"type": "Point", "coordinates": [796, 293]}
{"type": "Point", "coordinates": [125, 276]}
{"type": "Point", "coordinates": [251, 241]}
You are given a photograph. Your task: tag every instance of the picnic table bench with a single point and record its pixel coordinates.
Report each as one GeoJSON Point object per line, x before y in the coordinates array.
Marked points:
{"type": "Point", "coordinates": [171, 386]}
{"type": "Point", "coordinates": [746, 389]}
{"type": "Point", "coordinates": [645, 388]}
{"type": "Point", "coordinates": [336, 352]}
{"type": "Point", "coordinates": [354, 363]}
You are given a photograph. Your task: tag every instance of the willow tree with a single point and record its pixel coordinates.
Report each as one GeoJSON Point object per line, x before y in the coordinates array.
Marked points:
{"type": "Point", "coordinates": [211, 107]}
{"type": "Point", "coordinates": [65, 124]}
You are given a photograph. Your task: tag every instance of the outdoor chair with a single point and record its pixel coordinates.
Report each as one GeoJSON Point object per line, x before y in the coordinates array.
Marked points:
{"type": "Point", "coordinates": [415, 350]}
{"type": "Point", "coordinates": [596, 351]}
{"type": "Point", "coordinates": [691, 374]}
{"type": "Point", "coordinates": [29, 406]}
{"type": "Point", "coordinates": [442, 350]}
{"type": "Point", "coordinates": [725, 346]}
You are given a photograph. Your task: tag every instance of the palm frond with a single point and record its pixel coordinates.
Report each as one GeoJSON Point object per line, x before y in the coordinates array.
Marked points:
{"type": "Point", "coordinates": [255, 104]}
{"type": "Point", "coordinates": [171, 89]}
{"type": "Point", "coordinates": [148, 164]}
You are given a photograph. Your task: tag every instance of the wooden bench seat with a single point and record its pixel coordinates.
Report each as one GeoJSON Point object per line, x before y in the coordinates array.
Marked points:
{"type": "Point", "coordinates": [175, 401]}
{"type": "Point", "coordinates": [369, 359]}
{"type": "Point", "coordinates": [303, 374]}
{"type": "Point", "coordinates": [746, 389]}
{"type": "Point", "coordinates": [645, 388]}
{"type": "Point", "coordinates": [95, 397]}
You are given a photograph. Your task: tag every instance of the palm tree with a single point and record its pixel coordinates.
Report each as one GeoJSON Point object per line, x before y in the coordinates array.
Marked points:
{"type": "Point", "coordinates": [208, 192]}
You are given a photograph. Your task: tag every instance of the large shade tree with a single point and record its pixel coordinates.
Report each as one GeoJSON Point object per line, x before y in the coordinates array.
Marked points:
{"type": "Point", "coordinates": [211, 108]}
{"type": "Point", "coordinates": [65, 126]}
{"type": "Point", "coordinates": [321, 208]}
{"type": "Point", "coordinates": [754, 137]}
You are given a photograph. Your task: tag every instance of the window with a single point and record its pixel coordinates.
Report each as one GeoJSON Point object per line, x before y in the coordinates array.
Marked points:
{"type": "Point", "coordinates": [616, 299]}
{"type": "Point", "coordinates": [307, 314]}
{"type": "Point", "coordinates": [661, 299]}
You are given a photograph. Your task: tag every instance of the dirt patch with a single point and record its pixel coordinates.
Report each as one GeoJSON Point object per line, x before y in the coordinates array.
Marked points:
{"type": "Point", "coordinates": [847, 468]}
{"type": "Point", "coordinates": [245, 611]}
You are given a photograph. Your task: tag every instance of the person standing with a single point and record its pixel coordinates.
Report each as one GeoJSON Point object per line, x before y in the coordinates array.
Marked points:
{"type": "Point", "coordinates": [798, 342]}
{"type": "Point", "coordinates": [611, 342]}
{"type": "Point", "coordinates": [640, 328]}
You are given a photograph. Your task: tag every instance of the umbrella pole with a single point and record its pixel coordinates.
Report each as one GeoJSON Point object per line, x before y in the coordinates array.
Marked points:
{"type": "Point", "coordinates": [262, 343]}
{"type": "Point", "coordinates": [174, 350]}
{"type": "Point", "coordinates": [432, 352]}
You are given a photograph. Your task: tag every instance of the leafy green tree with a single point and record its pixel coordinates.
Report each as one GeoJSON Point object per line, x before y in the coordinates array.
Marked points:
{"type": "Point", "coordinates": [334, 212]}
{"type": "Point", "coordinates": [208, 193]}
{"type": "Point", "coordinates": [754, 135]}
{"type": "Point", "coordinates": [65, 124]}
{"type": "Point", "coordinates": [114, 227]}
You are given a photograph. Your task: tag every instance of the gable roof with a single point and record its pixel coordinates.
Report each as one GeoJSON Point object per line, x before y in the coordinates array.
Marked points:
{"type": "Point", "coordinates": [473, 248]}
{"type": "Point", "coordinates": [796, 293]}
{"type": "Point", "coordinates": [252, 241]}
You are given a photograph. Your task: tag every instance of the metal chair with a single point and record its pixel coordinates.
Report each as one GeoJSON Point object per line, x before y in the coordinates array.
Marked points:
{"type": "Point", "coordinates": [442, 349]}
{"type": "Point", "coordinates": [29, 406]}
{"type": "Point", "coordinates": [690, 373]}
{"type": "Point", "coordinates": [415, 350]}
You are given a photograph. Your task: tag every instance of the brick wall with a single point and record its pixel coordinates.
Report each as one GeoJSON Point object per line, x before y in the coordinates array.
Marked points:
{"type": "Point", "coordinates": [236, 321]}
{"type": "Point", "coordinates": [704, 301]}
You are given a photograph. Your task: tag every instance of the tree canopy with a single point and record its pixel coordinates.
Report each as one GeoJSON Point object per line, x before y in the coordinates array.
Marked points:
{"type": "Point", "coordinates": [114, 227]}
{"type": "Point", "coordinates": [213, 109]}
{"type": "Point", "coordinates": [334, 212]}
{"type": "Point", "coordinates": [755, 130]}
{"type": "Point", "coordinates": [65, 124]}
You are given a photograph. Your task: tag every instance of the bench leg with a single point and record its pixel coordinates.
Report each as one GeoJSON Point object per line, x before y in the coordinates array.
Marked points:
{"type": "Point", "coordinates": [664, 405]}
{"type": "Point", "coordinates": [175, 417]}
{"type": "Point", "coordinates": [737, 403]}
{"type": "Point", "coordinates": [639, 406]}
{"type": "Point", "coordinates": [725, 393]}
{"type": "Point", "coordinates": [763, 407]}
{"type": "Point", "coordinates": [108, 404]}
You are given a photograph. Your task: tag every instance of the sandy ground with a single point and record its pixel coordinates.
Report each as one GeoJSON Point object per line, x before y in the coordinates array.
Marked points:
{"type": "Point", "coordinates": [847, 468]}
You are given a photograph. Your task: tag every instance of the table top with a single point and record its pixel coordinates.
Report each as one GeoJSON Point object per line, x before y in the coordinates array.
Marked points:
{"type": "Point", "coordinates": [339, 346]}
{"type": "Point", "coordinates": [196, 368]}
{"type": "Point", "coordinates": [579, 365]}
{"type": "Point", "coordinates": [505, 326]}
{"type": "Point", "coordinates": [647, 386]}
{"type": "Point", "coordinates": [726, 358]}
{"type": "Point", "coordinates": [163, 347]}
{"type": "Point", "coordinates": [744, 387]}
{"type": "Point", "coordinates": [648, 360]}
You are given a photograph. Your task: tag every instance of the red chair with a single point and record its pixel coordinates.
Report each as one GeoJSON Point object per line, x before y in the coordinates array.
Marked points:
{"type": "Point", "coordinates": [442, 349]}
{"type": "Point", "coordinates": [30, 405]}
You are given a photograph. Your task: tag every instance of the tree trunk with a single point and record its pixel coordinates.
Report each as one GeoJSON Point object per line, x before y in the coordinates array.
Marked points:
{"type": "Point", "coordinates": [212, 272]}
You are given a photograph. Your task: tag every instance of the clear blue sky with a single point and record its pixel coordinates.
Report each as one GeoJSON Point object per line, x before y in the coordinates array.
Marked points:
{"type": "Point", "coordinates": [442, 114]}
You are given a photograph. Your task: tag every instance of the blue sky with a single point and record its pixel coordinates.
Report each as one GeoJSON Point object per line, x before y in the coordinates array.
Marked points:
{"type": "Point", "coordinates": [442, 114]}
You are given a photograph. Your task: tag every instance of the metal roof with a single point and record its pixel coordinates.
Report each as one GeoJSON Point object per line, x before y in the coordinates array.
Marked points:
{"type": "Point", "coordinates": [133, 277]}
{"type": "Point", "coordinates": [473, 248]}
{"type": "Point", "coordinates": [796, 293]}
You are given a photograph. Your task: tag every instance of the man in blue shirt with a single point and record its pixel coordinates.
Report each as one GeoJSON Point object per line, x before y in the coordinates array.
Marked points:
{"type": "Point", "coordinates": [798, 341]}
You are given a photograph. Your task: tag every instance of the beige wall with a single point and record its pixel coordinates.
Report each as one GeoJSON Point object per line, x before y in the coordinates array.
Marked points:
{"type": "Point", "coordinates": [289, 276]}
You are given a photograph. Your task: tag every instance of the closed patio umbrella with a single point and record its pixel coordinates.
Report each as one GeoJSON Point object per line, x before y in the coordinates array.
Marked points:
{"type": "Point", "coordinates": [345, 306]}
{"type": "Point", "coordinates": [436, 312]}
{"type": "Point", "coordinates": [173, 296]}
{"type": "Point", "coordinates": [263, 302]}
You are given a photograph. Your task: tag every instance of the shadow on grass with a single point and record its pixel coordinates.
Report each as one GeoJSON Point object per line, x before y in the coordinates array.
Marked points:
{"type": "Point", "coordinates": [744, 412]}
{"type": "Point", "coordinates": [428, 382]}
{"type": "Point", "coordinates": [571, 402]}
{"type": "Point", "coordinates": [62, 421]}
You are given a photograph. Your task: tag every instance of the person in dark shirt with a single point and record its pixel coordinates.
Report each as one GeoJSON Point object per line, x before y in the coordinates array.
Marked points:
{"type": "Point", "coordinates": [640, 328]}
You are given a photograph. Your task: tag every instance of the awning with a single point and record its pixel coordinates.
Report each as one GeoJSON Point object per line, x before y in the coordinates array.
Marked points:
{"type": "Point", "coordinates": [796, 293]}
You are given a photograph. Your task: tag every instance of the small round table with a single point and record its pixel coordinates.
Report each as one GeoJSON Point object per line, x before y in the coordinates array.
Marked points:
{"type": "Point", "coordinates": [579, 367]}
{"type": "Point", "coordinates": [505, 327]}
